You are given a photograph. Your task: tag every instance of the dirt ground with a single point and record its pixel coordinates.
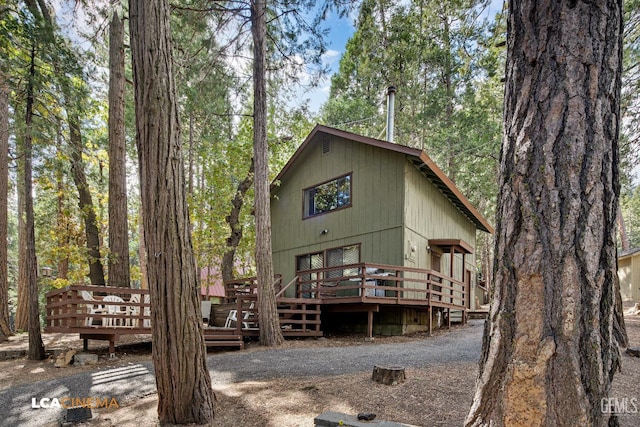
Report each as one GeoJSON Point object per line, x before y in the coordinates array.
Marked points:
{"type": "Point", "coordinates": [438, 395]}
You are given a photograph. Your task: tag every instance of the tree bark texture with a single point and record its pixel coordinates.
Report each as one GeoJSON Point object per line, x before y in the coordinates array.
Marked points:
{"type": "Point", "coordinates": [179, 353]}
{"type": "Point", "coordinates": [118, 220]}
{"type": "Point", "coordinates": [85, 200]}
{"type": "Point", "coordinates": [62, 219]}
{"type": "Point", "coordinates": [22, 305]}
{"type": "Point", "coordinates": [270, 333]}
{"type": "Point", "coordinates": [233, 220]}
{"type": "Point", "coordinates": [142, 254]}
{"type": "Point", "coordinates": [5, 330]}
{"type": "Point", "coordinates": [388, 375]}
{"type": "Point", "coordinates": [36, 346]}
{"type": "Point", "coordinates": [190, 155]}
{"type": "Point", "coordinates": [549, 352]}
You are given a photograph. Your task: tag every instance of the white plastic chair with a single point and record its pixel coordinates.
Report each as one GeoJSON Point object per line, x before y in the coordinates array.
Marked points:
{"type": "Point", "coordinates": [133, 310]}
{"type": "Point", "coordinates": [93, 306]}
{"type": "Point", "coordinates": [233, 317]}
{"type": "Point", "coordinates": [147, 311]}
{"type": "Point", "coordinates": [113, 309]}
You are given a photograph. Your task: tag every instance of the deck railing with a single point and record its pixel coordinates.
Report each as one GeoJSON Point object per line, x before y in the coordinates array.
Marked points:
{"type": "Point", "coordinates": [67, 309]}
{"type": "Point", "coordinates": [247, 286]}
{"type": "Point", "coordinates": [381, 282]}
{"type": "Point", "coordinates": [297, 317]}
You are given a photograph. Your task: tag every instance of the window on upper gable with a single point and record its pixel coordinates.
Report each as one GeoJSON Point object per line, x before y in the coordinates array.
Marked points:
{"type": "Point", "coordinates": [327, 197]}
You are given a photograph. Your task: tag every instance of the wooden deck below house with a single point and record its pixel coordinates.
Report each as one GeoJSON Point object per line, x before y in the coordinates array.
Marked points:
{"type": "Point", "coordinates": [105, 313]}
{"type": "Point", "coordinates": [368, 287]}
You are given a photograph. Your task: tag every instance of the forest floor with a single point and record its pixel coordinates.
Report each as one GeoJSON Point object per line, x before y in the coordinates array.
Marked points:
{"type": "Point", "coordinates": [436, 395]}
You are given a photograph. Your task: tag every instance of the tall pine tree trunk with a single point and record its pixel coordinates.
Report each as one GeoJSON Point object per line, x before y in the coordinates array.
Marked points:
{"type": "Point", "coordinates": [270, 333]}
{"type": "Point", "coordinates": [550, 351]}
{"type": "Point", "coordinates": [142, 253]}
{"type": "Point", "coordinates": [22, 305]}
{"type": "Point", "coordinates": [179, 353]}
{"type": "Point", "coordinates": [233, 219]}
{"type": "Point", "coordinates": [36, 347]}
{"type": "Point", "coordinates": [447, 80]}
{"type": "Point", "coordinates": [85, 200]}
{"type": "Point", "coordinates": [5, 330]}
{"type": "Point", "coordinates": [62, 219]}
{"type": "Point", "coordinates": [118, 220]}
{"type": "Point", "coordinates": [190, 155]}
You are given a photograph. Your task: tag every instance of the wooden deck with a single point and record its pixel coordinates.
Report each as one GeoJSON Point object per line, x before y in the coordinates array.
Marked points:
{"type": "Point", "coordinates": [67, 311]}
{"type": "Point", "coordinates": [362, 287]}
{"type": "Point", "coordinates": [365, 287]}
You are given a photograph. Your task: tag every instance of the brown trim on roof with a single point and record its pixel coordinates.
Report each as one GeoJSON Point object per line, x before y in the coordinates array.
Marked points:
{"type": "Point", "coordinates": [346, 135]}
{"type": "Point", "coordinates": [432, 171]}
{"type": "Point", "coordinates": [628, 253]}
{"type": "Point", "coordinates": [484, 224]}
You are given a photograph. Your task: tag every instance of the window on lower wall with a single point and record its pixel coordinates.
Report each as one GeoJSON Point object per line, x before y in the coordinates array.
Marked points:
{"type": "Point", "coordinates": [343, 256]}
{"type": "Point", "coordinates": [328, 196]}
{"type": "Point", "coordinates": [308, 262]}
{"type": "Point", "coordinates": [335, 257]}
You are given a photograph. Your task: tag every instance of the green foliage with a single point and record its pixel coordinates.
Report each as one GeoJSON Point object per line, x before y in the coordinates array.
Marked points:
{"type": "Point", "coordinates": [442, 59]}
{"type": "Point", "coordinates": [60, 82]}
{"type": "Point", "coordinates": [216, 102]}
{"type": "Point", "coordinates": [630, 205]}
{"type": "Point", "coordinates": [630, 101]}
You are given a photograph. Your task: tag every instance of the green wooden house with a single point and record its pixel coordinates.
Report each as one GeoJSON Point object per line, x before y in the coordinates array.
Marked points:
{"type": "Point", "coordinates": [382, 209]}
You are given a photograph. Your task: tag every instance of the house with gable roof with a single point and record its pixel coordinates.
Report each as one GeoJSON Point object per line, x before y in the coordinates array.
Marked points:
{"type": "Point", "coordinates": [371, 227]}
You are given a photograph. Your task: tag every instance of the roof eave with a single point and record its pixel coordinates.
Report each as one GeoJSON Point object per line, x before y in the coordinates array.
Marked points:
{"type": "Point", "coordinates": [478, 219]}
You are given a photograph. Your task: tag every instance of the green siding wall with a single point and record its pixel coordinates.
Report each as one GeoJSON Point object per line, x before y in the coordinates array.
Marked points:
{"type": "Point", "coordinates": [374, 220]}
{"type": "Point", "coordinates": [430, 215]}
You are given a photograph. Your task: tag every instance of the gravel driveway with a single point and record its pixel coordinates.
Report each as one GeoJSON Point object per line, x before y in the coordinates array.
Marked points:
{"type": "Point", "coordinates": [135, 380]}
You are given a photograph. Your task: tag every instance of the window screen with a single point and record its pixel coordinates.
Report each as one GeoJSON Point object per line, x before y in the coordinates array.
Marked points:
{"type": "Point", "coordinates": [343, 256]}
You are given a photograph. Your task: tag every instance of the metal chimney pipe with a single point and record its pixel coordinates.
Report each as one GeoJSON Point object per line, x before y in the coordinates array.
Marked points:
{"type": "Point", "coordinates": [391, 97]}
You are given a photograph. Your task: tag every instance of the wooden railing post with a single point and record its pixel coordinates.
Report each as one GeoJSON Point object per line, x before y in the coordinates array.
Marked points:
{"type": "Point", "coordinates": [304, 316]}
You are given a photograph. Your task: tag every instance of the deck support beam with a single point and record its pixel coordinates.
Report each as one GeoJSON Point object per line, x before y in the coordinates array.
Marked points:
{"type": "Point", "coordinates": [104, 337]}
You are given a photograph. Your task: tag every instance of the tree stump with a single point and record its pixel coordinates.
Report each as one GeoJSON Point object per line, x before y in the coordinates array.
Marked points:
{"type": "Point", "coordinates": [389, 375]}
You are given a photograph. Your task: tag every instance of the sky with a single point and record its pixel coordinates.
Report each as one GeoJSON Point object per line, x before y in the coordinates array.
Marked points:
{"type": "Point", "coordinates": [341, 29]}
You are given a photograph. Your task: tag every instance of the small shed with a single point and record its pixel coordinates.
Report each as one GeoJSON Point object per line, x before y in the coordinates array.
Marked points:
{"type": "Point", "coordinates": [629, 274]}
